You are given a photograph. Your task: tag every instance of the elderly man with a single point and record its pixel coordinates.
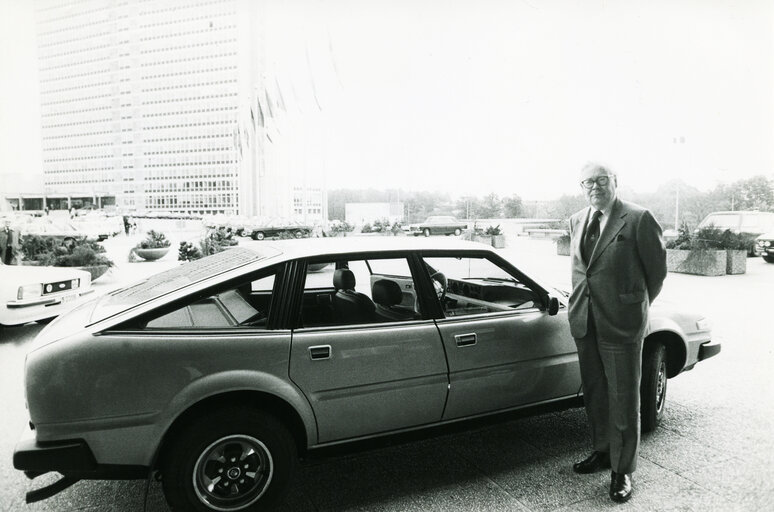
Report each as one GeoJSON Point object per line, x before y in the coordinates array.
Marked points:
{"type": "Point", "coordinates": [618, 266]}
{"type": "Point", "coordinates": [9, 243]}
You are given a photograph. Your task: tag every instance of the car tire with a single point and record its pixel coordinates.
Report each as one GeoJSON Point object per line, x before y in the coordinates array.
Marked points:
{"type": "Point", "coordinates": [653, 386]}
{"type": "Point", "coordinates": [261, 444]}
{"type": "Point", "coordinates": [426, 231]}
{"type": "Point", "coordinates": [298, 234]}
{"type": "Point", "coordinates": [457, 232]}
{"type": "Point", "coordinates": [768, 259]}
{"type": "Point", "coordinates": [258, 235]}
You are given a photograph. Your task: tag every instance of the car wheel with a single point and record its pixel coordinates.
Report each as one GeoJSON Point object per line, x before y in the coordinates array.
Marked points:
{"type": "Point", "coordinates": [426, 232]}
{"type": "Point", "coordinates": [232, 459]}
{"type": "Point", "coordinates": [258, 235]}
{"type": "Point", "coordinates": [768, 259]}
{"type": "Point", "coordinates": [653, 387]}
{"type": "Point", "coordinates": [457, 232]}
{"type": "Point", "coordinates": [298, 234]}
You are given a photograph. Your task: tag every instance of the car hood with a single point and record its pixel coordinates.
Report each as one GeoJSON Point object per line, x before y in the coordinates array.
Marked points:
{"type": "Point", "coordinates": [769, 235]}
{"type": "Point", "coordinates": [40, 274]}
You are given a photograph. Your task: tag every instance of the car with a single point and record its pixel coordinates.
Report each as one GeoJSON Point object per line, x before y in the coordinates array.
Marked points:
{"type": "Point", "coordinates": [765, 244]}
{"type": "Point", "coordinates": [32, 293]}
{"type": "Point", "coordinates": [751, 223]}
{"type": "Point", "coordinates": [62, 231]}
{"type": "Point", "coordinates": [438, 225]}
{"type": "Point", "coordinates": [218, 373]}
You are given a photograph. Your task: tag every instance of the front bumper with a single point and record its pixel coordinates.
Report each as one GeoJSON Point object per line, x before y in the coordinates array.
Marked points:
{"type": "Point", "coordinates": [708, 349]}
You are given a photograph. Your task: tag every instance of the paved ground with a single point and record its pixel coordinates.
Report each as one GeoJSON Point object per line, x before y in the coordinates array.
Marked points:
{"type": "Point", "coordinates": [714, 450]}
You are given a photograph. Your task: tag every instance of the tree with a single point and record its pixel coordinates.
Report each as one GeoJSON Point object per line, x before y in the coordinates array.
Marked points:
{"type": "Point", "coordinates": [512, 206]}
{"type": "Point", "coordinates": [489, 207]}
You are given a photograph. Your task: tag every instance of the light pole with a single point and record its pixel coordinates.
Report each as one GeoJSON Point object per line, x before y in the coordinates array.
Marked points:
{"type": "Point", "coordinates": [678, 140]}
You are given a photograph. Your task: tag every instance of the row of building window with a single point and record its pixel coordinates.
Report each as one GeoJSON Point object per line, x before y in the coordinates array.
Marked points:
{"type": "Point", "coordinates": [192, 137]}
{"type": "Point", "coordinates": [175, 61]}
{"type": "Point", "coordinates": [182, 7]}
{"type": "Point", "coordinates": [74, 52]}
{"type": "Point", "coordinates": [187, 125]}
{"type": "Point", "coordinates": [189, 164]}
{"type": "Point", "coordinates": [181, 151]}
{"type": "Point", "coordinates": [78, 63]}
{"type": "Point", "coordinates": [196, 111]}
{"type": "Point", "coordinates": [76, 14]}
{"type": "Point", "coordinates": [92, 23]}
{"type": "Point", "coordinates": [188, 86]}
{"type": "Point", "coordinates": [93, 121]}
{"type": "Point", "coordinates": [68, 41]}
{"type": "Point", "coordinates": [188, 33]}
{"type": "Point", "coordinates": [194, 72]}
{"type": "Point", "coordinates": [71, 135]}
{"type": "Point", "coordinates": [78, 158]}
{"type": "Point", "coordinates": [75, 100]}
{"type": "Point", "coordinates": [191, 98]}
{"type": "Point", "coordinates": [187, 20]}
{"type": "Point", "coordinates": [68, 77]}
{"type": "Point", "coordinates": [84, 86]}
{"type": "Point", "coordinates": [76, 171]}
{"type": "Point", "coordinates": [70, 112]}
{"type": "Point", "coordinates": [82, 146]}
{"type": "Point", "coordinates": [188, 46]}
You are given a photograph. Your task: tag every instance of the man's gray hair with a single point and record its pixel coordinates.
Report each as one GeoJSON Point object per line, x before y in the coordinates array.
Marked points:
{"type": "Point", "coordinates": [593, 166]}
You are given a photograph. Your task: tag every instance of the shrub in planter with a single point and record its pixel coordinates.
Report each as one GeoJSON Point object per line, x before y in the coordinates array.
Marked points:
{"type": "Point", "coordinates": [218, 240]}
{"type": "Point", "coordinates": [736, 246]}
{"type": "Point", "coordinates": [155, 246]}
{"type": "Point", "coordinates": [707, 252]}
{"type": "Point", "coordinates": [339, 228]}
{"type": "Point", "coordinates": [563, 245]}
{"type": "Point", "coordinates": [188, 252]}
{"type": "Point", "coordinates": [85, 254]}
{"type": "Point", "coordinates": [497, 239]}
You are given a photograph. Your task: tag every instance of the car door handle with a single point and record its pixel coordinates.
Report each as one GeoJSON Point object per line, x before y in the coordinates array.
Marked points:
{"type": "Point", "coordinates": [465, 340]}
{"type": "Point", "coordinates": [320, 352]}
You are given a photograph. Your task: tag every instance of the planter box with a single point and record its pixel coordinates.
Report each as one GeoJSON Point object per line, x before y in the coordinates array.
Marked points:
{"type": "Point", "coordinates": [96, 271]}
{"type": "Point", "coordinates": [151, 254]}
{"type": "Point", "coordinates": [706, 262]}
{"type": "Point", "coordinates": [563, 246]}
{"type": "Point", "coordinates": [736, 262]}
{"type": "Point", "coordinates": [496, 241]}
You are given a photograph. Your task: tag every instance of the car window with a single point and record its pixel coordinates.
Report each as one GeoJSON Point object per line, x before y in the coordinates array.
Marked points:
{"type": "Point", "coordinates": [243, 306]}
{"type": "Point", "coordinates": [361, 291]}
{"type": "Point", "coordinates": [473, 286]}
{"type": "Point", "coordinates": [757, 223]}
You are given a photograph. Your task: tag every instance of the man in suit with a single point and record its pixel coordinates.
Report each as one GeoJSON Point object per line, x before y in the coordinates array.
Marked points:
{"type": "Point", "coordinates": [9, 243]}
{"type": "Point", "coordinates": [618, 266]}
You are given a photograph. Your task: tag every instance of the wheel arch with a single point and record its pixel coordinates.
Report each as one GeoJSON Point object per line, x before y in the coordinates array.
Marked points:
{"type": "Point", "coordinates": [675, 350]}
{"type": "Point", "coordinates": [260, 400]}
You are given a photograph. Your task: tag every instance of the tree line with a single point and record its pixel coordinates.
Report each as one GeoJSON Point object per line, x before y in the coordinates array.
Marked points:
{"type": "Point", "coordinates": [756, 193]}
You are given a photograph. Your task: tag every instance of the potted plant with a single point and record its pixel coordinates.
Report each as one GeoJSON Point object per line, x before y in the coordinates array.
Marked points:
{"type": "Point", "coordinates": [563, 245]}
{"type": "Point", "coordinates": [155, 246]}
{"type": "Point", "coordinates": [700, 253]}
{"type": "Point", "coordinates": [736, 246]}
{"type": "Point", "coordinates": [496, 237]}
{"type": "Point", "coordinates": [84, 254]}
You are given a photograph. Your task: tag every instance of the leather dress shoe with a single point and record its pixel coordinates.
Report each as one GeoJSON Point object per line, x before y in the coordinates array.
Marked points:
{"type": "Point", "coordinates": [592, 463]}
{"type": "Point", "coordinates": [620, 487]}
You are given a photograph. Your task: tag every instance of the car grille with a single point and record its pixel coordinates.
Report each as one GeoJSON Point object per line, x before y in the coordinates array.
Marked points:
{"type": "Point", "coordinates": [57, 287]}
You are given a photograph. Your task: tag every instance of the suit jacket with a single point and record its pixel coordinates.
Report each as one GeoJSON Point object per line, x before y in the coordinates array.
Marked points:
{"type": "Point", "coordinates": [9, 242]}
{"type": "Point", "coordinates": [623, 275]}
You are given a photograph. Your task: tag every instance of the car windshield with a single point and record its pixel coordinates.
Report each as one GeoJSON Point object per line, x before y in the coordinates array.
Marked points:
{"type": "Point", "coordinates": [177, 278]}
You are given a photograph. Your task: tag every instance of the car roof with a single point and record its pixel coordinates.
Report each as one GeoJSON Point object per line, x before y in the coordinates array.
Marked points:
{"type": "Point", "coordinates": [309, 247]}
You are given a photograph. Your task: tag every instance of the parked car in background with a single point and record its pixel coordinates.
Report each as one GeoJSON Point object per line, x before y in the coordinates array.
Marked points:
{"type": "Point", "coordinates": [765, 244]}
{"type": "Point", "coordinates": [29, 294]}
{"type": "Point", "coordinates": [438, 225]}
{"type": "Point", "coordinates": [260, 228]}
{"type": "Point", "coordinates": [219, 372]}
{"type": "Point", "coordinates": [63, 231]}
{"type": "Point", "coordinates": [751, 223]}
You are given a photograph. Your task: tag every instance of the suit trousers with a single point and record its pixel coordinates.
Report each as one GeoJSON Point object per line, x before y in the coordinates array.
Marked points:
{"type": "Point", "coordinates": [610, 375]}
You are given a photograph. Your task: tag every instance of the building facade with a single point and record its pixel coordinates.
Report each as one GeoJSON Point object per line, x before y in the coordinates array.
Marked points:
{"type": "Point", "coordinates": [151, 105]}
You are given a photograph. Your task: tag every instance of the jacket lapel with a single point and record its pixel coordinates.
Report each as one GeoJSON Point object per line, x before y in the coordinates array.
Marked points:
{"type": "Point", "coordinates": [614, 224]}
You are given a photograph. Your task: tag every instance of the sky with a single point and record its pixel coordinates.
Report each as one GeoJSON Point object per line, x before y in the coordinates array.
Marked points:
{"type": "Point", "coordinates": [472, 97]}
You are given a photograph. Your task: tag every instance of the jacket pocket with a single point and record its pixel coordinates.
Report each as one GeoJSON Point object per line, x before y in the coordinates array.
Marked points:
{"type": "Point", "coordinates": [633, 297]}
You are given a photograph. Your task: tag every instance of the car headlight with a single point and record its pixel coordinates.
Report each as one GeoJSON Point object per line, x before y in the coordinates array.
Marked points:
{"type": "Point", "coordinates": [75, 284]}
{"type": "Point", "coordinates": [703, 324]}
{"type": "Point", "coordinates": [29, 291]}
{"type": "Point", "coordinates": [766, 243]}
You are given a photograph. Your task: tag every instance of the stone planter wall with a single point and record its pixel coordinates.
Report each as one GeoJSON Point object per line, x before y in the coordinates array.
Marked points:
{"type": "Point", "coordinates": [736, 262]}
{"type": "Point", "coordinates": [496, 241]}
{"type": "Point", "coordinates": [96, 271]}
{"type": "Point", "coordinates": [700, 262]}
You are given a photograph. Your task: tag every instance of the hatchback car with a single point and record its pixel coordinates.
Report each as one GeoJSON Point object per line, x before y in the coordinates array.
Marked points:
{"type": "Point", "coordinates": [218, 373]}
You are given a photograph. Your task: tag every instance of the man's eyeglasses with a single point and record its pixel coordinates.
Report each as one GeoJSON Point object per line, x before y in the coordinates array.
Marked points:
{"type": "Point", "coordinates": [602, 181]}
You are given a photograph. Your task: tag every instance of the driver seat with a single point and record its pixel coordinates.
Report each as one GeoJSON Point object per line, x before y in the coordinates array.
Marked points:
{"type": "Point", "coordinates": [350, 306]}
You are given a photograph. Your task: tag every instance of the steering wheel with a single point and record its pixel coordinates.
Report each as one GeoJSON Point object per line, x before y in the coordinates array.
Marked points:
{"type": "Point", "coordinates": [439, 278]}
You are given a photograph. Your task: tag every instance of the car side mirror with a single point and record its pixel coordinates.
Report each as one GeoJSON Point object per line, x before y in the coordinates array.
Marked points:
{"type": "Point", "coordinates": [553, 306]}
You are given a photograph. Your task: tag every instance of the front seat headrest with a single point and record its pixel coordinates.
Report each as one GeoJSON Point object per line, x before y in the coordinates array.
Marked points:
{"type": "Point", "coordinates": [343, 279]}
{"type": "Point", "coordinates": [387, 293]}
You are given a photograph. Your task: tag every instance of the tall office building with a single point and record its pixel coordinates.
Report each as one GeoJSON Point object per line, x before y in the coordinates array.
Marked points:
{"type": "Point", "coordinates": [166, 105]}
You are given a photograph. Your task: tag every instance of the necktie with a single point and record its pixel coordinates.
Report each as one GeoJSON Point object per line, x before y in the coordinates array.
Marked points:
{"type": "Point", "coordinates": [592, 235]}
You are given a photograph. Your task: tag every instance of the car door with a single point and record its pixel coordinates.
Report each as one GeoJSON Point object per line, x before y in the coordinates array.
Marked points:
{"type": "Point", "coordinates": [504, 349]}
{"type": "Point", "coordinates": [365, 378]}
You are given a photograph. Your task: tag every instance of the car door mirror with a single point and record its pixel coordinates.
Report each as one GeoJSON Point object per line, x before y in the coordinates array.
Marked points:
{"type": "Point", "coordinates": [553, 306]}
